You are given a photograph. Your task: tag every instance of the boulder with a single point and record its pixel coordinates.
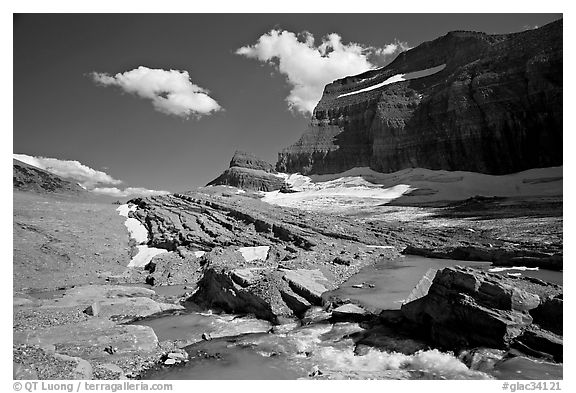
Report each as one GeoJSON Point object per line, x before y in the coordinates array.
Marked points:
{"type": "Point", "coordinates": [549, 314]}
{"type": "Point", "coordinates": [349, 312]}
{"type": "Point", "coordinates": [310, 284]}
{"type": "Point", "coordinates": [465, 307]}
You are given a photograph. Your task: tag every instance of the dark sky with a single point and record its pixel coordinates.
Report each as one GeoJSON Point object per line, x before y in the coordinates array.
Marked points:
{"type": "Point", "coordinates": [59, 111]}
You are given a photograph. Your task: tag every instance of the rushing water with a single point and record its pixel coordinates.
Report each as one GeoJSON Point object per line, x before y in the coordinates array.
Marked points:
{"type": "Point", "coordinates": [244, 348]}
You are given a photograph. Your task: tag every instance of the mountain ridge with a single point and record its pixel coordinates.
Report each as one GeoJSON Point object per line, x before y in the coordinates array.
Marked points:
{"type": "Point", "coordinates": [495, 108]}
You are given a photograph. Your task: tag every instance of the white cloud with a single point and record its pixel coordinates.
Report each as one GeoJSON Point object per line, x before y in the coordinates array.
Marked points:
{"type": "Point", "coordinates": [84, 175]}
{"type": "Point", "coordinates": [137, 191]}
{"type": "Point", "coordinates": [171, 92]}
{"type": "Point", "coordinates": [308, 68]}
{"type": "Point", "coordinates": [87, 178]}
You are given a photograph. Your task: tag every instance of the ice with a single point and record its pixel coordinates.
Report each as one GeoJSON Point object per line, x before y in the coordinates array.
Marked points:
{"type": "Point", "coordinates": [363, 187]}
{"type": "Point", "coordinates": [145, 254]}
{"type": "Point", "coordinates": [502, 269]}
{"type": "Point", "coordinates": [254, 253]}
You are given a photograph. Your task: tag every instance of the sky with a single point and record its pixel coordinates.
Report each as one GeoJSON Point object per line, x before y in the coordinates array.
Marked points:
{"type": "Point", "coordinates": [162, 101]}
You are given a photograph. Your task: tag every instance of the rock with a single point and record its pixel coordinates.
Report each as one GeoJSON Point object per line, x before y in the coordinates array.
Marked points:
{"type": "Point", "coordinates": [169, 362]}
{"type": "Point", "coordinates": [249, 173]}
{"type": "Point", "coordinates": [538, 342]}
{"type": "Point", "coordinates": [496, 108]}
{"type": "Point", "coordinates": [521, 367]}
{"type": "Point", "coordinates": [465, 307]}
{"type": "Point", "coordinates": [177, 356]}
{"type": "Point", "coordinates": [217, 289]}
{"type": "Point", "coordinates": [481, 359]}
{"type": "Point", "coordinates": [173, 268]}
{"type": "Point", "coordinates": [206, 337]}
{"type": "Point", "coordinates": [315, 315]}
{"type": "Point", "coordinates": [315, 371]}
{"type": "Point", "coordinates": [549, 314]}
{"type": "Point", "coordinates": [249, 179]}
{"type": "Point", "coordinates": [349, 312]}
{"type": "Point", "coordinates": [83, 369]}
{"type": "Point", "coordinates": [246, 160]}
{"type": "Point", "coordinates": [129, 307]}
{"type": "Point", "coordinates": [112, 369]}
{"type": "Point", "coordinates": [87, 339]}
{"type": "Point", "coordinates": [310, 284]}
{"type": "Point", "coordinates": [110, 350]}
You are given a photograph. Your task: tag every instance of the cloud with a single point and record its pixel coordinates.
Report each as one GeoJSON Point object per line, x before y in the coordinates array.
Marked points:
{"type": "Point", "coordinates": [139, 191]}
{"type": "Point", "coordinates": [87, 178]}
{"type": "Point", "coordinates": [171, 92]}
{"type": "Point", "coordinates": [84, 175]}
{"type": "Point", "coordinates": [308, 68]}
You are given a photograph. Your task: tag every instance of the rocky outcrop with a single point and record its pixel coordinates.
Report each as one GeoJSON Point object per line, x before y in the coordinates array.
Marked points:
{"type": "Point", "coordinates": [246, 160]}
{"type": "Point", "coordinates": [249, 173]}
{"type": "Point", "coordinates": [249, 179]}
{"type": "Point", "coordinates": [270, 292]}
{"type": "Point", "coordinates": [490, 104]}
{"type": "Point", "coordinates": [29, 178]}
{"type": "Point", "coordinates": [466, 308]}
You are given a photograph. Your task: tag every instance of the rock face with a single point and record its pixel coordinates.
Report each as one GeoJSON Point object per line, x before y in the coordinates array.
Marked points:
{"type": "Point", "coordinates": [246, 160]}
{"type": "Point", "coordinates": [249, 173]}
{"type": "Point", "coordinates": [29, 178]}
{"type": "Point", "coordinates": [495, 107]}
{"type": "Point", "coordinates": [465, 308]}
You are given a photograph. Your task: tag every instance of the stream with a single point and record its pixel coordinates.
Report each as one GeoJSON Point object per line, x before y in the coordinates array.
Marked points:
{"type": "Point", "coordinates": [248, 348]}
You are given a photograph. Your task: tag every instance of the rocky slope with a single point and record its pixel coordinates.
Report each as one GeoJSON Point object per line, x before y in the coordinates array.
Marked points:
{"type": "Point", "coordinates": [29, 178]}
{"type": "Point", "coordinates": [249, 172]}
{"type": "Point", "coordinates": [486, 103]}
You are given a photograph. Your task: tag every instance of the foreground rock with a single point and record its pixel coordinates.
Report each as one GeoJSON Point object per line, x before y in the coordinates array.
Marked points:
{"type": "Point", "coordinates": [264, 289]}
{"type": "Point", "coordinates": [77, 335]}
{"type": "Point", "coordinates": [466, 308]}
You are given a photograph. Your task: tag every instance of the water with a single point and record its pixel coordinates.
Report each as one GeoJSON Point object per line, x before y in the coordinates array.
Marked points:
{"type": "Point", "coordinates": [319, 351]}
{"type": "Point", "coordinates": [386, 284]}
{"type": "Point", "coordinates": [243, 347]}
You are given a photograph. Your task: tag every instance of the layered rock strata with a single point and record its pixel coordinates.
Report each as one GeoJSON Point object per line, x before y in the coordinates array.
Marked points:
{"type": "Point", "coordinates": [470, 101]}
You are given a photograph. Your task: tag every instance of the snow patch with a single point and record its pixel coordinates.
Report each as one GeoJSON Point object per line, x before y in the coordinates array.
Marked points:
{"type": "Point", "coordinates": [139, 233]}
{"type": "Point", "coordinates": [254, 253]}
{"type": "Point", "coordinates": [399, 78]}
{"type": "Point", "coordinates": [502, 269]}
{"type": "Point", "coordinates": [123, 210]}
{"type": "Point", "coordinates": [145, 254]}
{"type": "Point", "coordinates": [336, 194]}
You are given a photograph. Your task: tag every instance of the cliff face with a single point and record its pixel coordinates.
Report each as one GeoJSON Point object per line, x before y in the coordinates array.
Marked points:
{"type": "Point", "coordinates": [471, 101]}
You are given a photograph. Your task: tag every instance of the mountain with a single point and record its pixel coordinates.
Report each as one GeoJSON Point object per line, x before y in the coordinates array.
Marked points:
{"type": "Point", "coordinates": [250, 173]}
{"type": "Point", "coordinates": [466, 101]}
{"type": "Point", "coordinates": [30, 178]}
